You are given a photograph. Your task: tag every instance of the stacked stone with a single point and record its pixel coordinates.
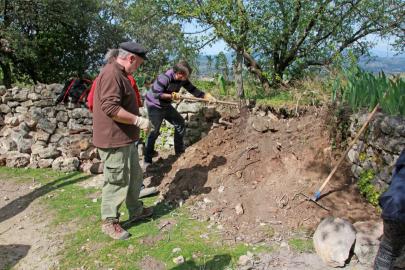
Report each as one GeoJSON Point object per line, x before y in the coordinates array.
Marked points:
{"type": "Point", "coordinates": [36, 133]}
{"type": "Point", "coordinates": [198, 118]}
{"type": "Point", "coordinates": [378, 149]}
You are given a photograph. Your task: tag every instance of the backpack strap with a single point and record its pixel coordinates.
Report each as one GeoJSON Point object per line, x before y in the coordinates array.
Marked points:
{"type": "Point", "coordinates": [68, 89]}
{"type": "Point", "coordinates": [84, 94]}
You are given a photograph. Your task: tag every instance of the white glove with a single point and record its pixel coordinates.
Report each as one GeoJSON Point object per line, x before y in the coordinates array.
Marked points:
{"type": "Point", "coordinates": [143, 123]}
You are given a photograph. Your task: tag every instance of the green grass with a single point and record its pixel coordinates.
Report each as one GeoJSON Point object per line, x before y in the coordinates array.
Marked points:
{"type": "Point", "coordinates": [301, 245]}
{"type": "Point", "coordinates": [281, 99]}
{"type": "Point", "coordinates": [72, 209]}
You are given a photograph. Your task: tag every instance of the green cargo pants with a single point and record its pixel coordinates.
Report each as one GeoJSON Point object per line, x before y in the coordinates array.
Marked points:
{"type": "Point", "coordinates": [122, 181]}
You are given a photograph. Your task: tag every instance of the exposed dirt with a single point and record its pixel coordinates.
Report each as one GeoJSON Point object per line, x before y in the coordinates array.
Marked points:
{"type": "Point", "coordinates": [25, 236]}
{"type": "Point", "coordinates": [150, 263]}
{"type": "Point", "coordinates": [251, 182]}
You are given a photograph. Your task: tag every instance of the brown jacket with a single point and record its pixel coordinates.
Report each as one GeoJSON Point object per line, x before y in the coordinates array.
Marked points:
{"type": "Point", "coordinates": [113, 91]}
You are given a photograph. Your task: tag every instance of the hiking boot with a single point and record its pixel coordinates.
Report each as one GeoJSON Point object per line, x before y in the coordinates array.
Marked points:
{"type": "Point", "coordinates": [112, 228]}
{"type": "Point", "coordinates": [146, 212]}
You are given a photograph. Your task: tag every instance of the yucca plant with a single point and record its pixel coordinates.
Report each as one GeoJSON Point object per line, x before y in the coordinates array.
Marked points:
{"type": "Point", "coordinates": [222, 85]}
{"type": "Point", "coordinates": [361, 89]}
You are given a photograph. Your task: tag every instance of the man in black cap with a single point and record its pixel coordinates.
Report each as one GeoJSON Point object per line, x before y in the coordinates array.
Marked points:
{"type": "Point", "coordinates": [116, 126]}
{"type": "Point", "coordinates": [134, 48]}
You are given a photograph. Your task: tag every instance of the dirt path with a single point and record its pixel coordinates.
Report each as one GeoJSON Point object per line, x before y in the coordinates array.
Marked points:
{"type": "Point", "coordinates": [26, 241]}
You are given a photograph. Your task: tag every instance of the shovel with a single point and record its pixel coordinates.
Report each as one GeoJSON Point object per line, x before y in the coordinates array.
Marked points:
{"type": "Point", "coordinates": [317, 194]}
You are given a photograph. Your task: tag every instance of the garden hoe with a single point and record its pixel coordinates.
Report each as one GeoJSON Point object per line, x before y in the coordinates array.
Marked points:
{"type": "Point", "coordinates": [317, 194]}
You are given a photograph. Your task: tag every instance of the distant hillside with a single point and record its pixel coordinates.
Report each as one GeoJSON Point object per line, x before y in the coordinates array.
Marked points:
{"type": "Point", "coordinates": [389, 65]}
{"type": "Point", "coordinates": [375, 64]}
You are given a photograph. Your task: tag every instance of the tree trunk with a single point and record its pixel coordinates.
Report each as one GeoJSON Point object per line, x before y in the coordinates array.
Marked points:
{"type": "Point", "coordinates": [255, 68]}
{"type": "Point", "coordinates": [238, 76]}
{"type": "Point", "coordinates": [7, 79]}
{"type": "Point", "coordinates": [276, 76]}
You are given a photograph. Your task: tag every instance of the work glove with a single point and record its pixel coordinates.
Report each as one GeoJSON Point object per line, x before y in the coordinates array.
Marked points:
{"type": "Point", "coordinates": [209, 97]}
{"type": "Point", "coordinates": [143, 123]}
{"type": "Point", "coordinates": [176, 96]}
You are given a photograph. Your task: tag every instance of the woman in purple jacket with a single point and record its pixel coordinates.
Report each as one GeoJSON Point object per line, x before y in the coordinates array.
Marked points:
{"type": "Point", "coordinates": [158, 103]}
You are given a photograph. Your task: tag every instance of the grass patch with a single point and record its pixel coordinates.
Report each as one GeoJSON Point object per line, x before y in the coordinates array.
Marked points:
{"type": "Point", "coordinates": [301, 245]}
{"type": "Point", "coordinates": [280, 99]}
{"type": "Point", "coordinates": [74, 210]}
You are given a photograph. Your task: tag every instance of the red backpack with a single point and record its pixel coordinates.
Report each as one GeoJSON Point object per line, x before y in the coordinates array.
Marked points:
{"type": "Point", "coordinates": [90, 97]}
{"type": "Point", "coordinates": [76, 90]}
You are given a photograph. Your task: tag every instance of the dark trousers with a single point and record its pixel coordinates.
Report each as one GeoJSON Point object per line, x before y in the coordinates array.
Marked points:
{"type": "Point", "coordinates": [392, 243]}
{"type": "Point", "coordinates": [156, 116]}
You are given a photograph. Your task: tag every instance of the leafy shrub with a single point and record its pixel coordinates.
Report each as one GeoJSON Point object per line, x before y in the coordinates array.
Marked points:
{"type": "Point", "coordinates": [367, 189]}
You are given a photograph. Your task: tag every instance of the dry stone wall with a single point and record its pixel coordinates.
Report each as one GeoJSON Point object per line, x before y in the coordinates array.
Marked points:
{"type": "Point", "coordinates": [378, 149]}
{"type": "Point", "coordinates": [36, 133]}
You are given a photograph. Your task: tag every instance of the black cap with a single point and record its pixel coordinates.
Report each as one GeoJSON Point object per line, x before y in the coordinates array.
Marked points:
{"type": "Point", "coordinates": [134, 48]}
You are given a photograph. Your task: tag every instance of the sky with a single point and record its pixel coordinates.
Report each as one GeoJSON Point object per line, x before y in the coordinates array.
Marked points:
{"type": "Point", "coordinates": [381, 49]}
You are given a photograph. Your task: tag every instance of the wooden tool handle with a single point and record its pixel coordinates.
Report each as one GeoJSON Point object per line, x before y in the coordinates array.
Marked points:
{"type": "Point", "coordinates": [208, 101]}
{"type": "Point", "coordinates": [349, 147]}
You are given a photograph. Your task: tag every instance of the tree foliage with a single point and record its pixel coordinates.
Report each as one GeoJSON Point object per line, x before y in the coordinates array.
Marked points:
{"type": "Point", "coordinates": [221, 65]}
{"type": "Point", "coordinates": [48, 40]}
{"type": "Point", "coordinates": [282, 38]}
{"type": "Point", "coordinates": [147, 23]}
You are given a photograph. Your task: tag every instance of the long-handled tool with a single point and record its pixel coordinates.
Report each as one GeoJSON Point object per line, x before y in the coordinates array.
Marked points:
{"type": "Point", "coordinates": [209, 101]}
{"type": "Point", "coordinates": [317, 194]}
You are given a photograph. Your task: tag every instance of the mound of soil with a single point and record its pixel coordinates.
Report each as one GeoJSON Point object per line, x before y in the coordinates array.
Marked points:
{"type": "Point", "coordinates": [249, 177]}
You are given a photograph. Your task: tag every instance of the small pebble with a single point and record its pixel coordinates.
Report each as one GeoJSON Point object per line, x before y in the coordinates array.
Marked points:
{"type": "Point", "coordinates": [243, 260]}
{"type": "Point", "coordinates": [178, 260]}
{"type": "Point", "coordinates": [176, 250]}
{"type": "Point", "coordinates": [206, 200]}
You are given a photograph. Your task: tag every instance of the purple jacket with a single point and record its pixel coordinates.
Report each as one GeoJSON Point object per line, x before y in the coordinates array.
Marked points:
{"type": "Point", "coordinates": [166, 84]}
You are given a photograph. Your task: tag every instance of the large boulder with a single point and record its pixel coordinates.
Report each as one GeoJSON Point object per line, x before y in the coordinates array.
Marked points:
{"type": "Point", "coordinates": [48, 152]}
{"type": "Point", "coordinates": [63, 164]}
{"type": "Point", "coordinates": [46, 125]}
{"type": "Point", "coordinates": [45, 163]}
{"type": "Point", "coordinates": [79, 113]}
{"type": "Point", "coordinates": [7, 144]}
{"type": "Point", "coordinates": [16, 159]}
{"type": "Point", "coordinates": [333, 240]}
{"type": "Point", "coordinates": [4, 108]}
{"type": "Point", "coordinates": [185, 107]}
{"type": "Point", "coordinates": [367, 240]}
